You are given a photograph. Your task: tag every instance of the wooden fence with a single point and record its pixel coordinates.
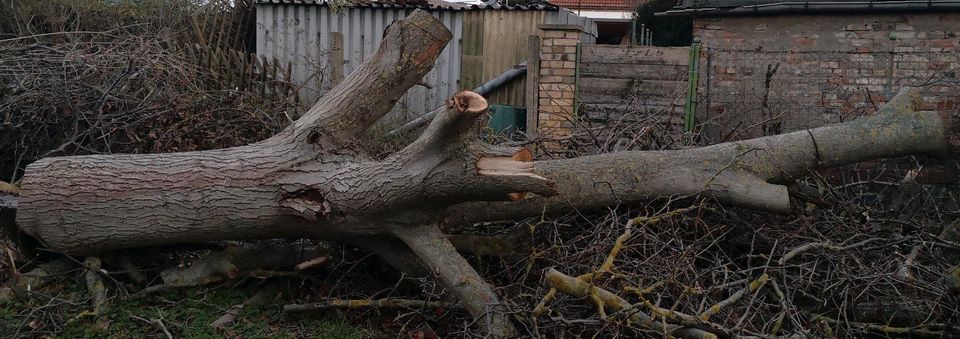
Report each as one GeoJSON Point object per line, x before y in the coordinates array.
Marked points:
{"type": "Point", "coordinates": [626, 83]}
{"type": "Point", "coordinates": [222, 40]}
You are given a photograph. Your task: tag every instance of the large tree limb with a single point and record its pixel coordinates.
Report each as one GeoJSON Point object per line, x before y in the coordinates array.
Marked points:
{"type": "Point", "coordinates": [279, 186]}
{"type": "Point", "coordinates": [746, 173]}
{"type": "Point", "coordinates": [454, 272]}
{"type": "Point", "coordinates": [309, 181]}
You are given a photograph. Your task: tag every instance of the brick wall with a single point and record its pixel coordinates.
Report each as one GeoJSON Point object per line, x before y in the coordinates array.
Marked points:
{"type": "Point", "coordinates": [558, 63]}
{"type": "Point", "coordinates": [765, 75]}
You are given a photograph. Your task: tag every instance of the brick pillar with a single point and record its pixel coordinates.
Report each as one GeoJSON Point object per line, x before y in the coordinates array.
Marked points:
{"type": "Point", "coordinates": [557, 88]}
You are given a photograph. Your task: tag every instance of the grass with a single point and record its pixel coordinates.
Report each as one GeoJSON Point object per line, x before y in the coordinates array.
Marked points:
{"type": "Point", "coordinates": [186, 314]}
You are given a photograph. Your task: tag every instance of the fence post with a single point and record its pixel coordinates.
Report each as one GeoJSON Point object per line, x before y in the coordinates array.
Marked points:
{"type": "Point", "coordinates": [335, 58]}
{"type": "Point", "coordinates": [533, 85]}
{"type": "Point", "coordinates": [693, 77]}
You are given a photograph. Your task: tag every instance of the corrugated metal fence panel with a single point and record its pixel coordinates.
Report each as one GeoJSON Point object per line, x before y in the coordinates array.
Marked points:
{"type": "Point", "coordinates": [509, 32]}
{"type": "Point", "coordinates": [495, 40]}
{"type": "Point", "coordinates": [471, 73]}
{"type": "Point", "coordinates": [300, 35]}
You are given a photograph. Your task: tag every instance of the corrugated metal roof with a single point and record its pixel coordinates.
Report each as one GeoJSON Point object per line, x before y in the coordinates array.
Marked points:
{"type": "Point", "coordinates": [618, 5]}
{"type": "Point", "coordinates": [417, 4]}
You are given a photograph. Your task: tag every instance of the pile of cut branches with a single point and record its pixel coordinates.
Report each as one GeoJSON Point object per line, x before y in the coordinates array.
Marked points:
{"type": "Point", "coordinates": [869, 250]}
{"type": "Point", "coordinates": [117, 92]}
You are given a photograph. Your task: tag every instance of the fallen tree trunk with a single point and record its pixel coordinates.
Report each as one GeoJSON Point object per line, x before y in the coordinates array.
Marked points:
{"type": "Point", "coordinates": [746, 173]}
{"type": "Point", "coordinates": [311, 181]}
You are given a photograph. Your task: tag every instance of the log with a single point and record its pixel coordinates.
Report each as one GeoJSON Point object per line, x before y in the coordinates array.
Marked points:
{"type": "Point", "coordinates": [312, 181]}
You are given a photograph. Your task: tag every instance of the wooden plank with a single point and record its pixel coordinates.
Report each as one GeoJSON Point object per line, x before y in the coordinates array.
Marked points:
{"type": "Point", "coordinates": [635, 54]}
{"type": "Point", "coordinates": [633, 71]}
{"type": "Point", "coordinates": [263, 75]}
{"type": "Point", "coordinates": [533, 85]}
{"type": "Point", "coordinates": [335, 56]}
{"type": "Point", "coordinates": [614, 110]}
{"type": "Point", "coordinates": [675, 98]}
{"type": "Point", "coordinates": [218, 16]}
{"type": "Point", "coordinates": [637, 116]}
{"type": "Point", "coordinates": [227, 66]}
{"type": "Point", "coordinates": [244, 69]}
{"type": "Point", "coordinates": [629, 86]}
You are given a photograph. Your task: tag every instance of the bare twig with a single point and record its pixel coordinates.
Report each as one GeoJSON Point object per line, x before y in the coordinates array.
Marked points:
{"type": "Point", "coordinates": [368, 303]}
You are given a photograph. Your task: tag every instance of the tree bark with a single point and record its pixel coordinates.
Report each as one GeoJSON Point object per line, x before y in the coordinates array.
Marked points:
{"type": "Point", "coordinates": [311, 181]}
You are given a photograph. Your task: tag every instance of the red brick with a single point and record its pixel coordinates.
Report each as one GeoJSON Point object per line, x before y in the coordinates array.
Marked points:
{"type": "Point", "coordinates": [945, 105]}
{"type": "Point", "coordinates": [804, 42]}
{"type": "Point", "coordinates": [943, 43]}
{"type": "Point", "coordinates": [551, 79]}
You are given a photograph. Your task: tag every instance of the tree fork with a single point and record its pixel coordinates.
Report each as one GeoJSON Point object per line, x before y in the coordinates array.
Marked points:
{"type": "Point", "coordinates": [309, 181]}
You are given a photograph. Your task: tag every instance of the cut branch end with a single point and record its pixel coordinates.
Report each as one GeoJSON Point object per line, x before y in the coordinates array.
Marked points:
{"type": "Point", "coordinates": [468, 102]}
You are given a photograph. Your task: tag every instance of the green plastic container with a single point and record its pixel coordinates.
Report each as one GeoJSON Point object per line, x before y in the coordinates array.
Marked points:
{"type": "Point", "coordinates": [507, 120]}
